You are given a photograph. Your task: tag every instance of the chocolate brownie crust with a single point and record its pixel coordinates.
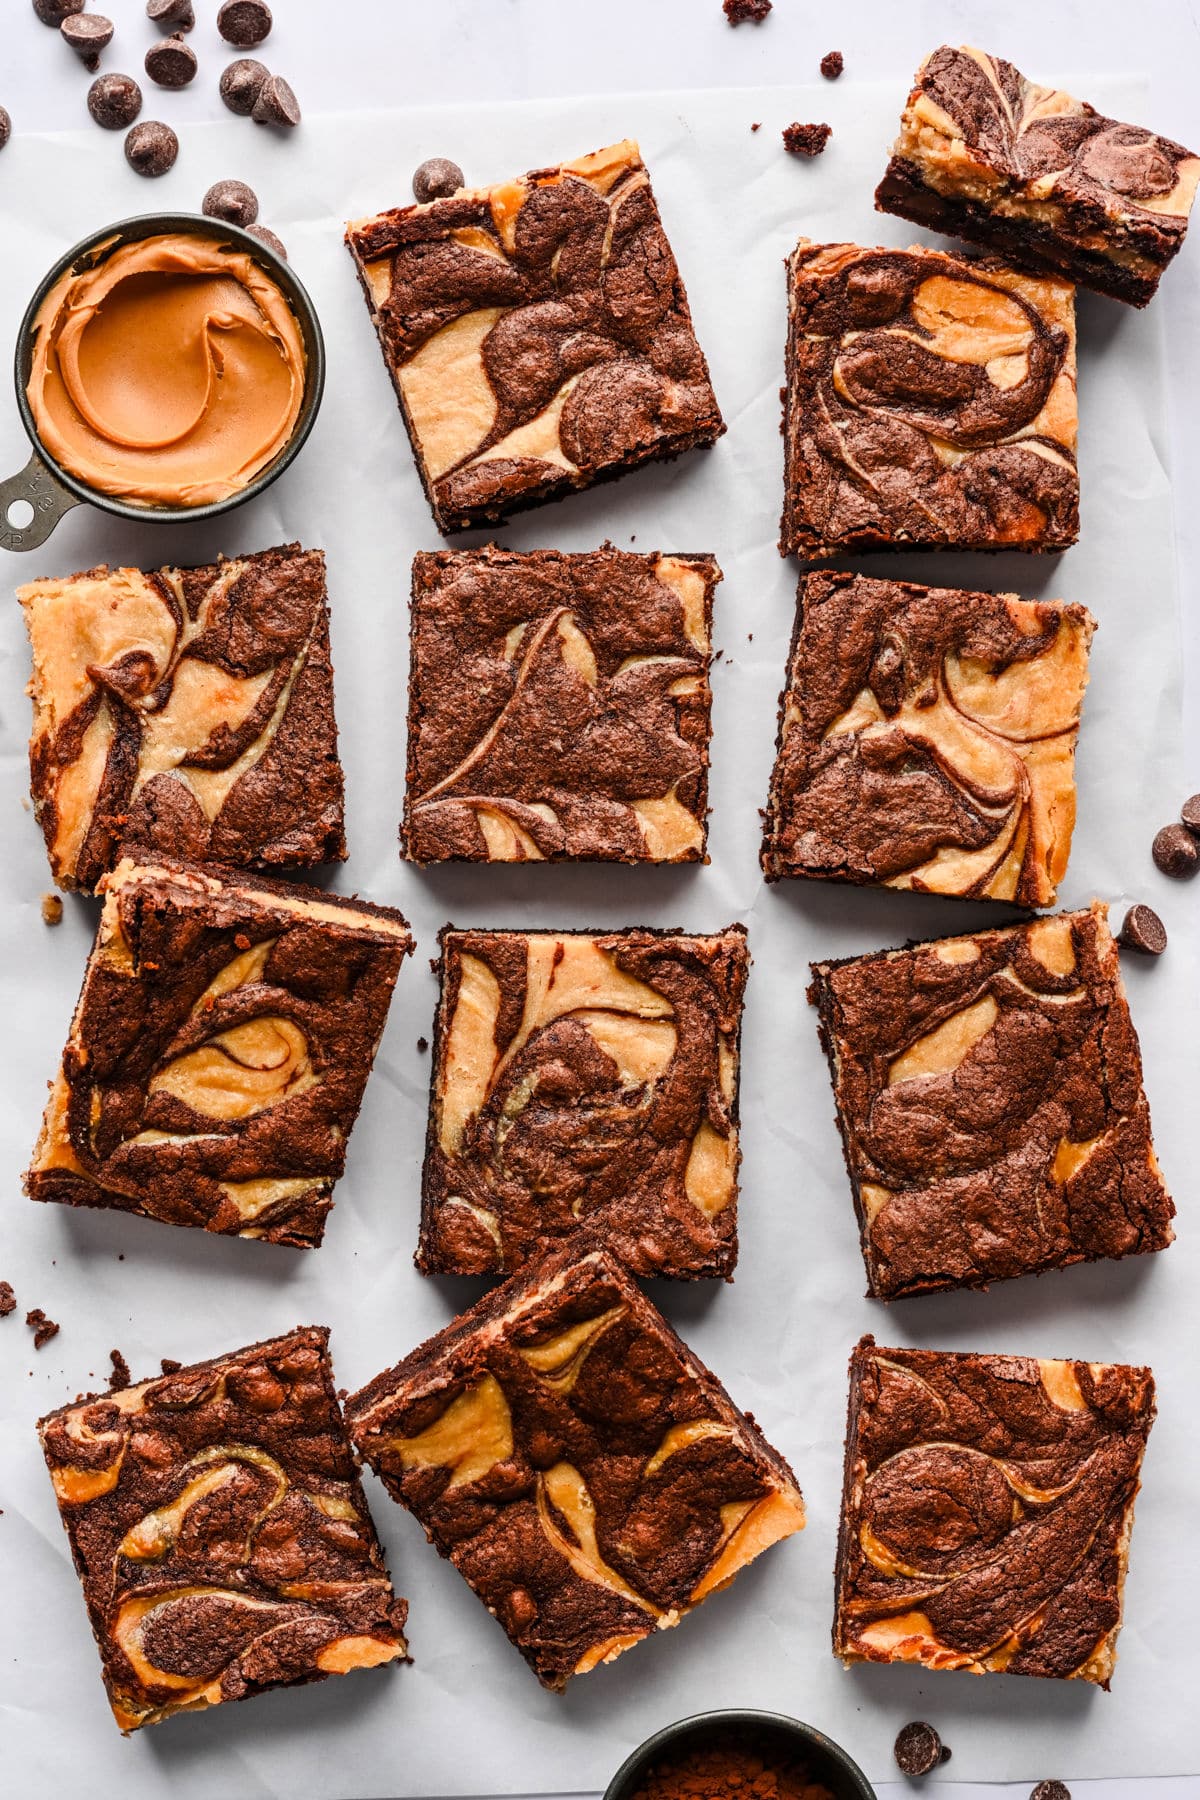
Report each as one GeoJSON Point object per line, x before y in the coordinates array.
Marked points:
{"type": "Point", "coordinates": [185, 713]}
{"type": "Point", "coordinates": [588, 1477]}
{"type": "Point", "coordinates": [559, 706]}
{"type": "Point", "coordinates": [986, 1511]}
{"type": "Point", "coordinates": [930, 402]}
{"type": "Point", "coordinates": [585, 1081]}
{"type": "Point", "coordinates": [989, 1095]}
{"type": "Point", "coordinates": [220, 1531]}
{"type": "Point", "coordinates": [927, 739]}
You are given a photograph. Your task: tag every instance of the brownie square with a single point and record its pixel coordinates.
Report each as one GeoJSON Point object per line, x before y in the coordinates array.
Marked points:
{"type": "Point", "coordinates": [185, 713]}
{"type": "Point", "coordinates": [219, 1051]}
{"type": "Point", "coordinates": [989, 1094]}
{"type": "Point", "coordinates": [927, 740]}
{"type": "Point", "coordinates": [221, 1533]}
{"type": "Point", "coordinates": [930, 403]}
{"type": "Point", "coordinates": [585, 1080]}
{"type": "Point", "coordinates": [559, 707]}
{"type": "Point", "coordinates": [585, 1474]}
{"type": "Point", "coordinates": [987, 1509]}
{"type": "Point", "coordinates": [986, 154]}
{"type": "Point", "coordinates": [537, 334]}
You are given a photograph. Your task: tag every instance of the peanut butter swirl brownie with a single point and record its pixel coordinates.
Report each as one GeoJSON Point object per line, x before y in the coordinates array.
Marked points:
{"type": "Point", "coordinates": [585, 1080]}
{"type": "Point", "coordinates": [927, 739]}
{"type": "Point", "coordinates": [559, 706]}
{"type": "Point", "coordinates": [988, 155]}
{"type": "Point", "coordinates": [185, 713]}
{"type": "Point", "coordinates": [219, 1051]}
{"type": "Point", "coordinates": [221, 1533]}
{"type": "Point", "coordinates": [537, 334]}
{"type": "Point", "coordinates": [987, 1511]}
{"type": "Point", "coordinates": [586, 1475]}
{"type": "Point", "coordinates": [989, 1093]}
{"type": "Point", "coordinates": [930, 402]}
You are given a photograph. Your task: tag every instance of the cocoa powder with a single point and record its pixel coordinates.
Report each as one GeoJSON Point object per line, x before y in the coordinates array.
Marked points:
{"type": "Point", "coordinates": [730, 1767]}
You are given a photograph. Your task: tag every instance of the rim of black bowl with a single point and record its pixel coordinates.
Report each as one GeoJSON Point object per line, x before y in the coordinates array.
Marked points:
{"type": "Point", "coordinates": [132, 231]}
{"type": "Point", "coordinates": [698, 1724]}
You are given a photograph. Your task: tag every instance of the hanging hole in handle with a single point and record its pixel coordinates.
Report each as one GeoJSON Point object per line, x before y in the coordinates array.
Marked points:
{"type": "Point", "coordinates": [31, 504]}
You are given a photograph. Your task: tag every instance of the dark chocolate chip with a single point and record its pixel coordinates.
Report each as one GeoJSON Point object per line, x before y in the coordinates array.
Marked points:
{"type": "Point", "coordinates": [180, 15]}
{"type": "Point", "coordinates": [172, 64]}
{"type": "Point", "coordinates": [87, 34]}
{"type": "Point", "coordinates": [270, 240]}
{"type": "Point", "coordinates": [832, 64]}
{"type": "Point", "coordinates": [806, 140]}
{"type": "Point", "coordinates": [8, 1300]}
{"type": "Point", "coordinates": [231, 200]}
{"type": "Point", "coordinates": [1143, 930]}
{"type": "Point", "coordinates": [114, 101]}
{"type": "Point", "coordinates": [5, 127]}
{"type": "Point", "coordinates": [1050, 1790]}
{"type": "Point", "coordinates": [276, 104]}
{"type": "Point", "coordinates": [53, 12]}
{"type": "Point", "coordinates": [241, 84]}
{"type": "Point", "coordinates": [918, 1749]}
{"type": "Point", "coordinates": [151, 148]}
{"type": "Point", "coordinates": [244, 22]}
{"type": "Point", "coordinates": [1176, 852]}
{"type": "Point", "coordinates": [1189, 812]}
{"type": "Point", "coordinates": [436, 179]}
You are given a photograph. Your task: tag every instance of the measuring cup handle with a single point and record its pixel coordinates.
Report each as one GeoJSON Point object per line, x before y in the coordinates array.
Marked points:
{"type": "Point", "coordinates": [48, 498]}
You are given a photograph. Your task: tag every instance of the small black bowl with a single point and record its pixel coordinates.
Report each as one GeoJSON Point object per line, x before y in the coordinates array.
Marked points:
{"type": "Point", "coordinates": [52, 490]}
{"type": "Point", "coordinates": [826, 1761]}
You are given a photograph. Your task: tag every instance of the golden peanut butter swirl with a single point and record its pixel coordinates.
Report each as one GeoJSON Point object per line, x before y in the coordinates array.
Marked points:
{"type": "Point", "coordinates": [221, 1532]}
{"type": "Point", "coordinates": [987, 1509]}
{"type": "Point", "coordinates": [170, 372]}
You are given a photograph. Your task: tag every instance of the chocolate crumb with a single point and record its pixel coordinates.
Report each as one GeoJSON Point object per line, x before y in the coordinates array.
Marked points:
{"type": "Point", "coordinates": [244, 23]}
{"type": "Point", "coordinates": [53, 12]}
{"type": "Point", "coordinates": [832, 64]}
{"type": "Point", "coordinates": [436, 179]}
{"type": "Point", "coordinates": [172, 64]}
{"type": "Point", "coordinates": [267, 237]}
{"type": "Point", "coordinates": [114, 101]}
{"type": "Point", "coordinates": [5, 127]}
{"type": "Point", "coordinates": [170, 1365]}
{"type": "Point", "coordinates": [1189, 812]}
{"type": "Point", "coordinates": [8, 1300]}
{"type": "Point", "coordinates": [87, 34]}
{"type": "Point", "coordinates": [180, 15]}
{"type": "Point", "coordinates": [1050, 1790]}
{"type": "Point", "coordinates": [757, 125]}
{"type": "Point", "coordinates": [119, 1378]}
{"type": "Point", "coordinates": [276, 104]}
{"type": "Point", "coordinates": [738, 12]}
{"type": "Point", "coordinates": [241, 83]}
{"type": "Point", "coordinates": [1176, 852]}
{"type": "Point", "coordinates": [1143, 930]}
{"type": "Point", "coordinates": [151, 148]}
{"type": "Point", "coordinates": [233, 201]}
{"type": "Point", "coordinates": [422, 1044]}
{"type": "Point", "coordinates": [52, 909]}
{"type": "Point", "coordinates": [918, 1749]}
{"type": "Point", "coordinates": [43, 1329]}
{"type": "Point", "coordinates": [806, 140]}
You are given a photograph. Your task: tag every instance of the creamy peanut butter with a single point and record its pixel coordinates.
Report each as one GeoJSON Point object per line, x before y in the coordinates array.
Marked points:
{"type": "Point", "coordinates": [170, 374]}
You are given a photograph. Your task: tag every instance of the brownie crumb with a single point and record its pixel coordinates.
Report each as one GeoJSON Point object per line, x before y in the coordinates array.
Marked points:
{"type": "Point", "coordinates": [832, 64]}
{"type": "Point", "coordinates": [739, 11]}
{"type": "Point", "coordinates": [1050, 1790]}
{"type": "Point", "coordinates": [757, 126]}
{"type": "Point", "coordinates": [422, 1044]}
{"type": "Point", "coordinates": [52, 909]}
{"type": "Point", "coordinates": [8, 1300]}
{"type": "Point", "coordinates": [119, 1377]}
{"type": "Point", "coordinates": [43, 1329]}
{"type": "Point", "coordinates": [170, 1365]}
{"type": "Point", "coordinates": [806, 140]}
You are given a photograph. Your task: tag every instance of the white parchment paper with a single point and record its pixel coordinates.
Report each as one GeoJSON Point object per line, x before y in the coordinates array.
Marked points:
{"type": "Point", "coordinates": [468, 1718]}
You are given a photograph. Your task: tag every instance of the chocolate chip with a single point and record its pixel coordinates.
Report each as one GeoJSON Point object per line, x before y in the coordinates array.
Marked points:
{"type": "Point", "coordinates": [5, 127]}
{"type": "Point", "coordinates": [53, 12]}
{"type": "Point", "coordinates": [436, 179]}
{"type": "Point", "coordinates": [8, 1300]}
{"type": "Point", "coordinates": [276, 104]}
{"type": "Point", "coordinates": [918, 1749]}
{"type": "Point", "coordinates": [241, 84]}
{"type": "Point", "coordinates": [231, 200]}
{"type": "Point", "coordinates": [1050, 1790]}
{"type": "Point", "coordinates": [806, 140]}
{"type": "Point", "coordinates": [151, 148]}
{"type": "Point", "coordinates": [1190, 813]}
{"type": "Point", "coordinates": [43, 1329]}
{"type": "Point", "coordinates": [172, 64]}
{"type": "Point", "coordinates": [832, 65]}
{"type": "Point", "coordinates": [244, 22]}
{"type": "Point", "coordinates": [87, 34]}
{"type": "Point", "coordinates": [270, 240]}
{"type": "Point", "coordinates": [178, 14]}
{"type": "Point", "coordinates": [1176, 852]}
{"type": "Point", "coordinates": [114, 101]}
{"type": "Point", "coordinates": [1143, 930]}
